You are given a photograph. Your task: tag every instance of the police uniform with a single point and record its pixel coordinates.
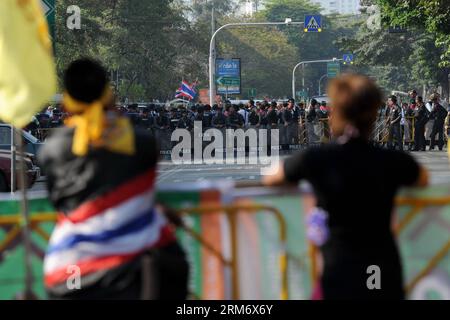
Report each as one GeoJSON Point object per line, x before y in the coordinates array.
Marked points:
{"type": "Point", "coordinates": [439, 114]}
{"type": "Point", "coordinates": [253, 118]}
{"type": "Point", "coordinates": [219, 120]}
{"type": "Point", "coordinates": [235, 121]}
{"type": "Point", "coordinates": [394, 127]}
{"type": "Point", "coordinates": [184, 122]}
{"type": "Point", "coordinates": [421, 119]}
{"type": "Point", "coordinates": [162, 130]}
{"type": "Point", "coordinates": [288, 119]}
{"type": "Point", "coordinates": [146, 122]}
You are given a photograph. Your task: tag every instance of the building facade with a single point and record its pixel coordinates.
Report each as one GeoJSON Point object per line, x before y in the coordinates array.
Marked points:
{"type": "Point", "coordinates": [338, 6]}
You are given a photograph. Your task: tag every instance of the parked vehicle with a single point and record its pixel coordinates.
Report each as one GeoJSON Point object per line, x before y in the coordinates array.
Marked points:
{"type": "Point", "coordinates": [31, 143]}
{"type": "Point", "coordinates": [33, 172]}
{"type": "Point", "coordinates": [321, 98]}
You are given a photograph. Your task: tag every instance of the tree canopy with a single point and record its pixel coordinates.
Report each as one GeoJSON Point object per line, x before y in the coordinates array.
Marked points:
{"type": "Point", "coordinates": [149, 46]}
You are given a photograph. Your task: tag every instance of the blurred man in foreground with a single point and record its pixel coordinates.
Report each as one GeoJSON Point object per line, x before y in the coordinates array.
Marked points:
{"type": "Point", "coordinates": [101, 178]}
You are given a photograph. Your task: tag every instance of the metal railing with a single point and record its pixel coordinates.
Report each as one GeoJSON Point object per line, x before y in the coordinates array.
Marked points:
{"type": "Point", "coordinates": [417, 205]}
{"type": "Point", "coordinates": [15, 222]}
{"type": "Point", "coordinates": [231, 212]}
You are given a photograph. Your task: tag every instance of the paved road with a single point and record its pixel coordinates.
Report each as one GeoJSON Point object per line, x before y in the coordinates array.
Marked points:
{"type": "Point", "coordinates": [436, 161]}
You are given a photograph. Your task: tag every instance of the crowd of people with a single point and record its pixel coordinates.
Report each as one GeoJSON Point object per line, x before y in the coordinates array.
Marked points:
{"type": "Point", "coordinates": [412, 125]}
{"type": "Point", "coordinates": [407, 124]}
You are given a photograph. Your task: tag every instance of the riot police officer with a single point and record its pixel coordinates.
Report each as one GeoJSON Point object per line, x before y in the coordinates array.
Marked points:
{"type": "Point", "coordinates": [207, 117]}
{"type": "Point", "coordinates": [311, 119]}
{"type": "Point", "coordinates": [219, 120]}
{"type": "Point", "coordinates": [421, 118]}
{"type": "Point", "coordinates": [133, 114]}
{"type": "Point", "coordinates": [235, 120]}
{"type": "Point", "coordinates": [146, 120]}
{"type": "Point", "coordinates": [263, 122]}
{"type": "Point", "coordinates": [395, 115]}
{"type": "Point", "coordinates": [439, 113]}
{"type": "Point", "coordinates": [174, 118]}
{"type": "Point", "coordinates": [289, 122]}
{"type": "Point", "coordinates": [254, 118]}
{"type": "Point", "coordinates": [272, 116]}
{"type": "Point", "coordinates": [184, 122]}
{"type": "Point", "coordinates": [162, 121]}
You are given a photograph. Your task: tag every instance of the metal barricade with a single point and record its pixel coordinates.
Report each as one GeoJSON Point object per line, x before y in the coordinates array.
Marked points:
{"type": "Point", "coordinates": [381, 131]}
{"type": "Point", "coordinates": [408, 133]}
{"type": "Point", "coordinates": [324, 130]}
{"type": "Point", "coordinates": [231, 212]}
{"type": "Point", "coordinates": [417, 205]}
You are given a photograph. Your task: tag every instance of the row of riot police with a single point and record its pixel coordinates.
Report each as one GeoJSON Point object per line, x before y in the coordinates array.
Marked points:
{"type": "Point", "coordinates": [408, 123]}
{"type": "Point", "coordinates": [298, 124]}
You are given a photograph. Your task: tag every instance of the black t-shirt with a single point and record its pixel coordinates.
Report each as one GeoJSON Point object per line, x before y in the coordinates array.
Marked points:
{"type": "Point", "coordinates": [355, 183]}
{"type": "Point", "coordinates": [347, 177]}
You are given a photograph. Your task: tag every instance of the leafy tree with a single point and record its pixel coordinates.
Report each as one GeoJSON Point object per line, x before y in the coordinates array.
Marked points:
{"type": "Point", "coordinates": [266, 56]}
{"type": "Point", "coordinates": [432, 17]}
{"type": "Point", "coordinates": [147, 41]}
{"type": "Point", "coordinates": [310, 46]}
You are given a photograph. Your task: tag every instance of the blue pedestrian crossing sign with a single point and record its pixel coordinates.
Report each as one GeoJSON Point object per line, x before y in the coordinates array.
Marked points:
{"type": "Point", "coordinates": [348, 58]}
{"type": "Point", "coordinates": [313, 23]}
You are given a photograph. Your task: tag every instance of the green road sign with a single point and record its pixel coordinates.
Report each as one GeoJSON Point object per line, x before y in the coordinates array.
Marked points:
{"type": "Point", "coordinates": [48, 7]}
{"type": "Point", "coordinates": [333, 69]}
{"type": "Point", "coordinates": [302, 94]}
{"type": "Point", "coordinates": [228, 81]}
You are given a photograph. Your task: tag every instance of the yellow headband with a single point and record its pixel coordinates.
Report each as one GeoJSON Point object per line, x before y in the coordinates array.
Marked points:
{"type": "Point", "coordinates": [89, 123]}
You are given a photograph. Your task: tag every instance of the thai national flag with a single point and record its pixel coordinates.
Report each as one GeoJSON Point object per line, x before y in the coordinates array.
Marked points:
{"type": "Point", "coordinates": [188, 90]}
{"type": "Point", "coordinates": [179, 93]}
{"type": "Point", "coordinates": [106, 232]}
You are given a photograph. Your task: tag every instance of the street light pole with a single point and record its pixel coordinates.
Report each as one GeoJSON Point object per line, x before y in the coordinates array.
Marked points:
{"type": "Point", "coordinates": [212, 43]}
{"type": "Point", "coordinates": [320, 80]}
{"type": "Point", "coordinates": [304, 63]}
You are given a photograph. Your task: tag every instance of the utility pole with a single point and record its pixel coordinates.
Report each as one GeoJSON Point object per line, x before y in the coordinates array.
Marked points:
{"type": "Point", "coordinates": [303, 79]}
{"type": "Point", "coordinates": [213, 52]}
{"type": "Point", "coordinates": [302, 64]}
{"type": "Point", "coordinates": [320, 81]}
{"type": "Point", "coordinates": [212, 60]}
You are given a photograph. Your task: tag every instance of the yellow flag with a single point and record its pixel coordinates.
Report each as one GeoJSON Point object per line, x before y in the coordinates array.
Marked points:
{"type": "Point", "coordinates": [27, 70]}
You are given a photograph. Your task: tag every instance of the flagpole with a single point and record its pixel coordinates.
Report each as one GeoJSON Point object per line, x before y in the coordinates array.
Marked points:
{"type": "Point", "coordinates": [28, 292]}
{"type": "Point", "coordinates": [13, 160]}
